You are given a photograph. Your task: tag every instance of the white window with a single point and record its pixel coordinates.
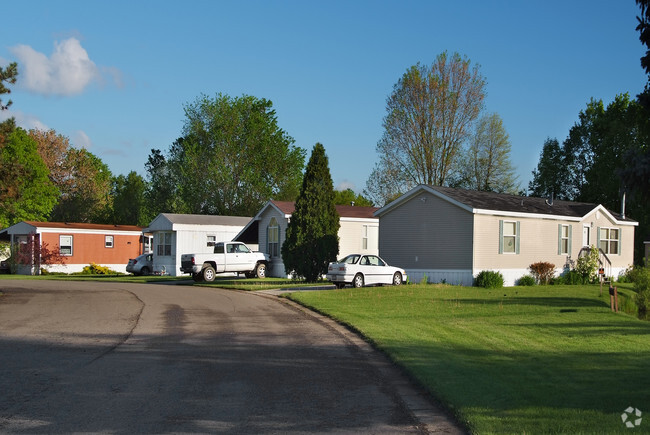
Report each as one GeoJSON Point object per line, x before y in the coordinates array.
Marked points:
{"type": "Point", "coordinates": [212, 240]}
{"type": "Point", "coordinates": [273, 236]}
{"type": "Point", "coordinates": [364, 238]}
{"type": "Point", "coordinates": [108, 241]}
{"type": "Point", "coordinates": [509, 237]}
{"type": "Point", "coordinates": [164, 244]}
{"type": "Point", "coordinates": [65, 245]}
{"type": "Point", "coordinates": [609, 239]}
{"type": "Point", "coordinates": [564, 239]}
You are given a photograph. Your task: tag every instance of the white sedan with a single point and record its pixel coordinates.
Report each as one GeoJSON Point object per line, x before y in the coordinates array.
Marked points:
{"type": "Point", "coordinates": [362, 269]}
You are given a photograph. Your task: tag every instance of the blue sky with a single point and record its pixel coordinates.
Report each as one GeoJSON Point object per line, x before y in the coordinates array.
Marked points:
{"type": "Point", "coordinates": [114, 76]}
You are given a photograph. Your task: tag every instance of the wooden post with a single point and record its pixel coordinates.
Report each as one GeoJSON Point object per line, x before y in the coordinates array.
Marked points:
{"type": "Point", "coordinates": [613, 299]}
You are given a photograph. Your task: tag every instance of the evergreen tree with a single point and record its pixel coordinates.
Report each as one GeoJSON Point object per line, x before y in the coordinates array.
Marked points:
{"type": "Point", "coordinates": [312, 235]}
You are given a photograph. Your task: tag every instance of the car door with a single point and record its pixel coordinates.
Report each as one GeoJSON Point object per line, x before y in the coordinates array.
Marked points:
{"type": "Point", "coordinates": [377, 273]}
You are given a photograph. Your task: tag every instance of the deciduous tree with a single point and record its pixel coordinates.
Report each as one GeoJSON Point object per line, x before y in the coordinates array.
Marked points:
{"type": "Point", "coordinates": [429, 115]}
{"type": "Point", "coordinates": [129, 203]}
{"type": "Point", "coordinates": [312, 234]}
{"type": "Point", "coordinates": [347, 197]}
{"type": "Point", "coordinates": [487, 164]}
{"type": "Point", "coordinates": [233, 157]}
{"type": "Point", "coordinates": [26, 192]}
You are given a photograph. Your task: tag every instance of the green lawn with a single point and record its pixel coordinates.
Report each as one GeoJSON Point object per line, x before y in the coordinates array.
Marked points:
{"type": "Point", "coordinates": [543, 359]}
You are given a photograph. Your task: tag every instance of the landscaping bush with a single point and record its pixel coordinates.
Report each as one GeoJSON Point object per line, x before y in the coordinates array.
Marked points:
{"type": "Point", "coordinates": [572, 277]}
{"type": "Point", "coordinates": [587, 266]}
{"type": "Point", "coordinates": [96, 269]}
{"type": "Point", "coordinates": [489, 279]}
{"type": "Point", "coordinates": [642, 289]}
{"type": "Point", "coordinates": [526, 280]}
{"type": "Point", "coordinates": [542, 271]}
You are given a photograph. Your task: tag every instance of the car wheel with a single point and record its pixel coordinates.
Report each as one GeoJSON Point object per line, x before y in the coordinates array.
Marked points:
{"type": "Point", "coordinates": [397, 278]}
{"type": "Point", "coordinates": [144, 271]}
{"type": "Point", "coordinates": [358, 280]}
{"type": "Point", "coordinates": [208, 273]}
{"type": "Point", "coordinates": [197, 277]}
{"type": "Point", "coordinates": [260, 270]}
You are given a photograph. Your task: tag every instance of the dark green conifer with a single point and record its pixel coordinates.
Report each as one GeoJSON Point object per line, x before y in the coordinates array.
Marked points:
{"type": "Point", "coordinates": [312, 235]}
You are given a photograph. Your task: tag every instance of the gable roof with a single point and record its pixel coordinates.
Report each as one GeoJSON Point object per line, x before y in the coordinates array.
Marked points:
{"type": "Point", "coordinates": [84, 226]}
{"type": "Point", "coordinates": [204, 219]}
{"type": "Point", "coordinates": [502, 203]}
{"type": "Point", "coordinates": [345, 211]}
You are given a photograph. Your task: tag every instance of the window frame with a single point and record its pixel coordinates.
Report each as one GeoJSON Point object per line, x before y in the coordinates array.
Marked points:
{"type": "Point", "coordinates": [516, 237]}
{"type": "Point", "coordinates": [608, 241]}
{"type": "Point", "coordinates": [210, 240]}
{"type": "Point", "coordinates": [162, 245]}
{"type": "Point", "coordinates": [109, 241]}
{"type": "Point", "coordinates": [563, 249]}
{"type": "Point", "coordinates": [61, 245]}
{"type": "Point", "coordinates": [364, 238]}
{"type": "Point", "coordinates": [273, 238]}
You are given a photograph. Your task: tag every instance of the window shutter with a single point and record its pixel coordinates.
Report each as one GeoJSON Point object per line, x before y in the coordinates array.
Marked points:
{"type": "Point", "coordinates": [268, 245]}
{"type": "Point", "coordinates": [517, 239]}
{"type": "Point", "coordinates": [597, 237]}
{"type": "Point", "coordinates": [570, 237]}
{"type": "Point", "coordinates": [500, 237]}
{"type": "Point", "coordinates": [620, 234]}
{"type": "Point", "coordinates": [559, 239]}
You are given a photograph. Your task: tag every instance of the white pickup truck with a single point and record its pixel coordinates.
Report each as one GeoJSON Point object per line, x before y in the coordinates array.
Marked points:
{"type": "Point", "coordinates": [227, 257]}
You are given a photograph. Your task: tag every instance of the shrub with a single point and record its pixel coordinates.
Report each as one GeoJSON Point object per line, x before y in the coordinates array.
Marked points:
{"type": "Point", "coordinates": [542, 271]}
{"type": "Point", "coordinates": [587, 266]}
{"type": "Point", "coordinates": [526, 280]}
{"type": "Point", "coordinates": [96, 269]}
{"type": "Point", "coordinates": [642, 288]}
{"type": "Point", "coordinates": [572, 277]}
{"type": "Point", "coordinates": [489, 279]}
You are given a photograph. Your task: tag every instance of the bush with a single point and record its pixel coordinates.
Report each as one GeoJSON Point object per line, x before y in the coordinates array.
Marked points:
{"type": "Point", "coordinates": [587, 266]}
{"type": "Point", "coordinates": [542, 271]}
{"type": "Point", "coordinates": [489, 279]}
{"type": "Point", "coordinates": [526, 280]}
{"type": "Point", "coordinates": [642, 289]}
{"type": "Point", "coordinates": [96, 269]}
{"type": "Point", "coordinates": [572, 277]}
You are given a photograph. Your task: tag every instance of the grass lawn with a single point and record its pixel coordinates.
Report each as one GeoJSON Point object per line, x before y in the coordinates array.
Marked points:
{"type": "Point", "coordinates": [543, 359]}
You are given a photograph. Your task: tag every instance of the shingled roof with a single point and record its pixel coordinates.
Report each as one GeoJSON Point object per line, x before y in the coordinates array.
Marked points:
{"type": "Point", "coordinates": [503, 202]}
{"type": "Point", "coordinates": [347, 211]}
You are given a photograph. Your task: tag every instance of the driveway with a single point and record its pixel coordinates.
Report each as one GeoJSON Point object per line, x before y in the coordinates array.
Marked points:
{"type": "Point", "coordinates": [133, 358]}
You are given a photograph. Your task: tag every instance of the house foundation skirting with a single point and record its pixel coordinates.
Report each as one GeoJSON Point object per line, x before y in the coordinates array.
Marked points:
{"type": "Point", "coordinates": [449, 276]}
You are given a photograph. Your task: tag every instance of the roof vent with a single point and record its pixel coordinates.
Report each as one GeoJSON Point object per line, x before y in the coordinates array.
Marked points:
{"type": "Point", "coordinates": [549, 202]}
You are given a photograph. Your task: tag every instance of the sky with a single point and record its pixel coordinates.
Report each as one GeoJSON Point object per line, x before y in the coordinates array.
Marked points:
{"type": "Point", "coordinates": [114, 76]}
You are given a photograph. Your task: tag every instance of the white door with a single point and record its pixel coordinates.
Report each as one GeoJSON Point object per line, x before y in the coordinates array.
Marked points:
{"type": "Point", "coordinates": [585, 235]}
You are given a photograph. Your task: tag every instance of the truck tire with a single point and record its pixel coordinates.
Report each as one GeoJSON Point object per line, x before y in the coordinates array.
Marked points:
{"type": "Point", "coordinates": [260, 270]}
{"type": "Point", "coordinates": [208, 273]}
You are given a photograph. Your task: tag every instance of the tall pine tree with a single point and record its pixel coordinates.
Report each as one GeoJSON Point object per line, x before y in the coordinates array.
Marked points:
{"type": "Point", "coordinates": [312, 235]}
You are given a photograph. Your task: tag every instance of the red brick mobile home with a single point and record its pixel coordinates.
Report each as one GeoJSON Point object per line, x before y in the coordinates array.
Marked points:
{"type": "Point", "coordinates": [81, 244]}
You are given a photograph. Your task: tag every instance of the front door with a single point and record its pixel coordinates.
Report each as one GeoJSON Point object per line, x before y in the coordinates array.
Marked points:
{"type": "Point", "coordinates": [585, 235]}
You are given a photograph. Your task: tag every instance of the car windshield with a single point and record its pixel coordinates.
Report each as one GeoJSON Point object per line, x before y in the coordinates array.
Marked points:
{"type": "Point", "coordinates": [350, 259]}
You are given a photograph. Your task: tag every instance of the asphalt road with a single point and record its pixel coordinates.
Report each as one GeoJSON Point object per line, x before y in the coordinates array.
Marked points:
{"type": "Point", "coordinates": [134, 358]}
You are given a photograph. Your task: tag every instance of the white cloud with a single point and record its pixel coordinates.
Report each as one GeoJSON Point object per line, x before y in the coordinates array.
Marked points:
{"type": "Point", "coordinates": [81, 140]}
{"type": "Point", "coordinates": [23, 120]}
{"type": "Point", "coordinates": [68, 70]}
{"type": "Point", "coordinates": [345, 185]}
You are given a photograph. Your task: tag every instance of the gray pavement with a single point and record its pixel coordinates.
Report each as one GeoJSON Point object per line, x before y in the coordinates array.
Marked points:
{"type": "Point", "coordinates": [134, 358]}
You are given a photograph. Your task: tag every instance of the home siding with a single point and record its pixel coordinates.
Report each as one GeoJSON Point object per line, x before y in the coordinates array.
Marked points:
{"type": "Point", "coordinates": [90, 248]}
{"type": "Point", "coordinates": [427, 233]}
{"type": "Point", "coordinates": [351, 237]}
{"type": "Point", "coordinates": [276, 266]}
{"type": "Point", "coordinates": [538, 242]}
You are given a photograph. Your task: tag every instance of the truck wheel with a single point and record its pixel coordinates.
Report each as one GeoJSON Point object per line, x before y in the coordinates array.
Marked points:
{"type": "Point", "coordinates": [260, 270]}
{"type": "Point", "coordinates": [197, 277]}
{"type": "Point", "coordinates": [208, 273]}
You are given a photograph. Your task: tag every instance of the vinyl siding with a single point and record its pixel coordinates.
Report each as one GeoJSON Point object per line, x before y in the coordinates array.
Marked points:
{"type": "Point", "coordinates": [427, 233]}
{"type": "Point", "coordinates": [276, 266]}
{"type": "Point", "coordinates": [351, 237]}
